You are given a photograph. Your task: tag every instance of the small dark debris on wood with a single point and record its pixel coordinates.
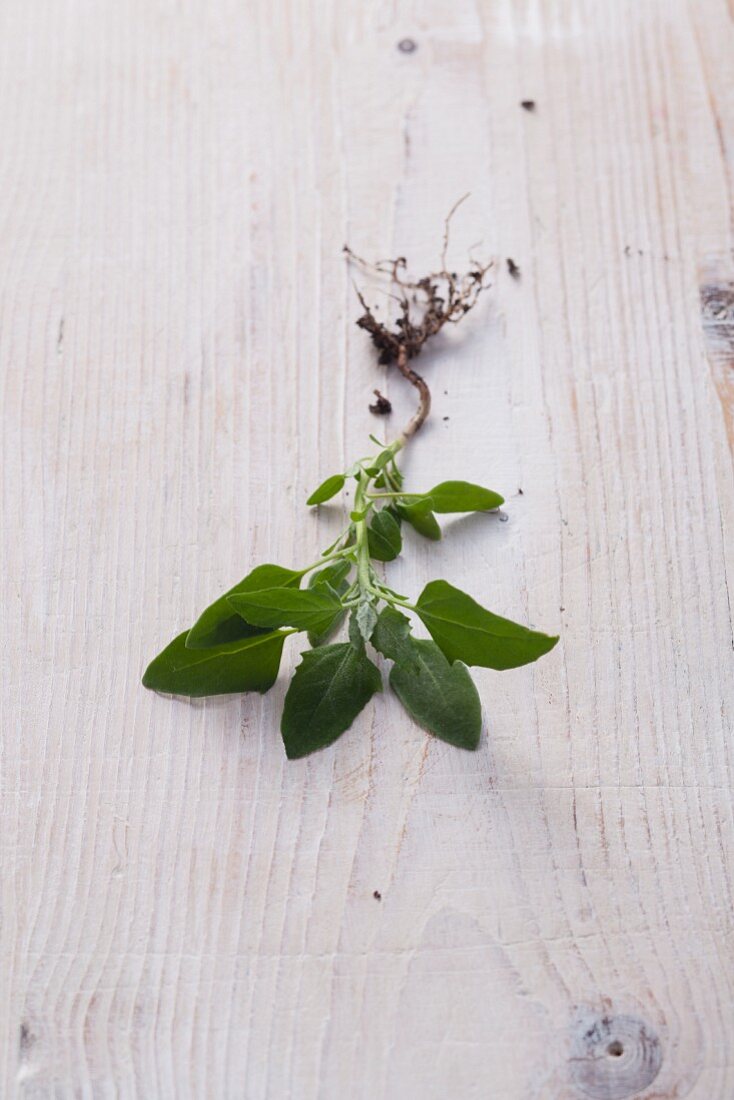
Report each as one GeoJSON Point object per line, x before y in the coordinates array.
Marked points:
{"type": "Point", "coordinates": [512, 267]}
{"type": "Point", "coordinates": [527, 104]}
{"type": "Point", "coordinates": [382, 406]}
{"type": "Point", "coordinates": [520, 492]}
{"type": "Point", "coordinates": [407, 45]}
{"type": "Point", "coordinates": [377, 895]}
{"type": "Point", "coordinates": [446, 418]}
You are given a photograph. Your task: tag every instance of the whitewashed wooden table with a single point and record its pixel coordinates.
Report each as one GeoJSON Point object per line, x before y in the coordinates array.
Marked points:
{"type": "Point", "coordinates": [184, 913]}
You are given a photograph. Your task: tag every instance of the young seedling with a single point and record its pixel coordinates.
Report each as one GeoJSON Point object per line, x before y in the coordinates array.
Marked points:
{"type": "Point", "coordinates": [236, 643]}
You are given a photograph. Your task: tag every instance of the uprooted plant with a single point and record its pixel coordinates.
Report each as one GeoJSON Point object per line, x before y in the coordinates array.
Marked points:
{"type": "Point", "coordinates": [236, 643]}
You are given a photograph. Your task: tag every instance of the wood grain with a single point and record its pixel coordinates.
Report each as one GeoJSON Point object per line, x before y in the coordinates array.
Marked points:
{"type": "Point", "coordinates": [184, 913]}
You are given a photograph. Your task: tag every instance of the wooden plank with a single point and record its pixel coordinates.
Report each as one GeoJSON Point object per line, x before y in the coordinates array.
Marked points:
{"type": "Point", "coordinates": [184, 913]}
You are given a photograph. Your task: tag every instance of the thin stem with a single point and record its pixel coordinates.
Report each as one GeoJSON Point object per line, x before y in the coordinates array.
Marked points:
{"type": "Point", "coordinates": [399, 599]}
{"type": "Point", "coordinates": [325, 560]}
{"type": "Point", "coordinates": [392, 477]}
{"type": "Point", "coordinates": [364, 570]}
{"type": "Point", "coordinates": [392, 496]}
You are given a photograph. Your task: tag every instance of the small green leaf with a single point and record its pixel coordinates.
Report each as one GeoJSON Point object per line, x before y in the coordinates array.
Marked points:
{"type": "Point", "coordinates": [383, 536]}
{"type": "Point", "coordinates": [357, 517]}
{"type": "Point", "coordinates": [355, 634]}
{"type": "Point", "coordinates": [467, 632]}
{"type": "Point", "coordinates": [422, 521]}
{"type": "Point", "coordinates": [366, 618]}
{"type": "Point", "coordinates": [391, 636]}
{"type": "Point", "coordinates": [219, 624]}
{"type": "Point", "coordinates": [380, 462]}
{"type": "Point", "coordinates": [329, 689]}
{"type": "Point", "coordinates": [249, 664]}
{"type": "Point", "coordinates": [335, 576]}
{"type": "Point", "coordinates": [441, 697]}
{"type": "Point", "coordinates": [460, 496]}
{"type": "Point", "coordinates": [305, 609]}
{"type": "Point", "coordinates": [327, 489]}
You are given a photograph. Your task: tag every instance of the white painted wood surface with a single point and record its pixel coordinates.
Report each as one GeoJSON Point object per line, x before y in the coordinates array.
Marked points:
{"type": "Point", "coordinates": [184, 913]}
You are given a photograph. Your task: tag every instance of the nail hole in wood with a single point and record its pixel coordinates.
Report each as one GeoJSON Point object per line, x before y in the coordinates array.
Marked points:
{"type": "Point", "coordinates": [613, 1057]}
{"type": "Point", "coordinates": [407, 45]}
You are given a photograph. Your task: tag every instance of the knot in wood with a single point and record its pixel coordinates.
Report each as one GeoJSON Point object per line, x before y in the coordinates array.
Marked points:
{"type": "Point", "coordinates": [613, 1057]}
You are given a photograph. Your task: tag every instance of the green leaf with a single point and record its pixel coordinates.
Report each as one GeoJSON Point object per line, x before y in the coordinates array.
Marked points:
{"type": "Point", "coordinates": [391, 636]}
{"type": "Point", "coordinates": [383, 536]}
{"type": "Point", "coordinates": [366, 618]}
{"type": "Point", "coordinates": [379, 462]}
{"type": "Point", "coordinates": [329, 689]}
{"type": "Point", "coordinates": [440, 696]}
{"type": "Point", "coordinates": [249, 664]}
{"type": "Point", "coordinates": [305, 609]}
{"type": "Point", "coordinates": [467, 632]}
{"type": "Point", "coordinates": [327, 489]}
{"type": "Point", "coordinates": [355, 634]}
{"type": "Point", "coordinates": [459, 496]}
{"type": "Point", "coordinates": [425, 523]}
{"type": "Point", "coordinates": [335, 576]}
{"type": "Point", "coordinates": [219, 623]}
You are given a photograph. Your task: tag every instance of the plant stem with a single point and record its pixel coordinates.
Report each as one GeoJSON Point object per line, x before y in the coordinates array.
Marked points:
{"type": "Point", "coordinates": [364, 569]}
{"type": "Point", "coordinates": [424, 399]}
{"type": "Point", "coordinates": [391, 496]}
{"type": "Point", "coordinates": [399, 599]}
{"type": "Point", "coordinates": [325, 560]}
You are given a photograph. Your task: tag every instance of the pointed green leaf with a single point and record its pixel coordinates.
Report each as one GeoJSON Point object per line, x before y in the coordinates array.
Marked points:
{"type": "Point", "coordinates": [425, 523]}
{"type": "Point", "coordinates": [329, 689]}
{"type": "Point", "coordinates": [355, 634]}
{"type": "Point", "coordinates": [327, 489]}
{"type": "Point", "coordinates": [459, 496]}
{"type": "Point", "coordinates": [305, 609]}
{"type": "Point", "coordinates": [441, 697]}
{"type": "Point", "coordinates": [366, 617]}
{"type": "Point", "coordinates": [249, 664]}
{"type": "Point", "coordinates": [335, 576]}
{"type": "Point", "coordinates": [379, 462]}
{"type": "Point", "coordinates": [467, 632]}
{"type": "Point", "coordinates": [219, 623]}
{"type": "Point", "coordinates": [389, 479]}
{"type": "Point", "coordinates": [391, 636]}
{"type": "Point", "coordinates": [383, 535]}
